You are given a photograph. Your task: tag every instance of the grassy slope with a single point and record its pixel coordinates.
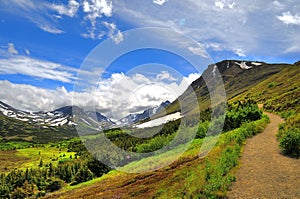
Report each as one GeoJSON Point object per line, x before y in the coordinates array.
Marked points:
{"type": "Point", "coordinates": [30, 157]}
{"type": "Point", "coordinates": [280, 93]}
{"type": "Point", "coordinates": [16, 130]}
{"type": "Point", "coordinates": [236, 81]}
{"type": "Point", "coordinates": [188, 176]}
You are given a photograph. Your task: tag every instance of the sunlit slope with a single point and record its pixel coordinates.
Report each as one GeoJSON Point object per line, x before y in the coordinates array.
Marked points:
{"type": "Point", "coordinates": [236, 77]}
{"type": "Point", "coordinates": [279, 93]}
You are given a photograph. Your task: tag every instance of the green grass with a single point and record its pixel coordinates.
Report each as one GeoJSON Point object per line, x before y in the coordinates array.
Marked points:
{"type": "Point", "coordinates": [188, 177]}
{"type": "Point", "coordinates": [14, 145]}
{"type": "Point", "coordinates": [281, 94]}
{"type": "Point", "coordinates": [30, 157]}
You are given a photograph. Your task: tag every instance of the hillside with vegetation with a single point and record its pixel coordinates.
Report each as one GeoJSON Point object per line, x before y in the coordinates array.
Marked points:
{"type": "Point", "coordinates": [281, 94]}
{"type": "Point", "coordinates": [45, 161]}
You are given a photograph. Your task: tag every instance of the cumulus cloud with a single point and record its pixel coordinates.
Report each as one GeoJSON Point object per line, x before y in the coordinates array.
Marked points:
{"type": "Point", "coordinates": [122, 94]}
{"type": "Point", "coordinates": [115, 97]}
{"type": "Point", "coordinates": [27, 97]}
{"type": "Point", "coordinates": [94, 10]}
{"type": "Point", "coordinates": [69, 10]}
{"type": "Point", "coordinates": [114, 33]}
{"type": "Point", "coordinates": [289, 18]}
{"type": "Point", "coordinates": [11, 49]}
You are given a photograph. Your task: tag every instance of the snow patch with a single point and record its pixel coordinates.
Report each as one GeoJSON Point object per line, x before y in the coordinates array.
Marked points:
{"type": "Point", "coordinates": [256, 63]}
{"type": "Point", "coordinates": [214, 70]}
{"type": "Point", "coordinates": [243, 65]}
{"type": "Point", "coordinates": [160, 121]}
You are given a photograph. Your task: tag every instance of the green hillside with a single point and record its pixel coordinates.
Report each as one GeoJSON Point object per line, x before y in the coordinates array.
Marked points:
{"type": "Point", "coordinates": [16, 130]}
{"type": "Point", "coordinates": [274, 85]}
{"type": "Point", "coordinates": [236, 81]}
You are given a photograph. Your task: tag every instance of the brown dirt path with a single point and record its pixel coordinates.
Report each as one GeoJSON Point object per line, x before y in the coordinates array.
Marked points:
{"type": "Point", "coordinates": [264, 172]}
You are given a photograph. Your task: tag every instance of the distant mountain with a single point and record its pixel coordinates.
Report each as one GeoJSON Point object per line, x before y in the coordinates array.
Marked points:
{"type": "Point", "coordinates": [59, 117]}
{"type": "Point", "coordinates": [145, 115]}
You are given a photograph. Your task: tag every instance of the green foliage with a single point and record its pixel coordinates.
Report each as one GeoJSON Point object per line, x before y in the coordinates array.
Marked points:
{"type": "Point", "coordinates": [289, 136]}
{"type": "Point", "coordinates": [96, 167]}
{"type": "Point", "coordinates": [290, 142]}
{"type": "Point", "coordinates": [83, 175]}
{"type": "Point", "coordinates": [218, 171]}
{"type": "Point", "coordinates": [53, 185]}
{"type": "Point", "coordinates": [241, 112]}
{"type": "Point", "coordinates": [15, 130]}
{"type": "Point", "coordinates": [154, 144]}
{"type": "Point", "coordinates": [4, 191]}
{"type": "Point", "coordinates": [41, 163]}
{"type": "Point", "coordinates": [202, 129]}
{"type": "Point", "coordinates": [284, 95]}
{"type": "Point", "coordinates": [217, 174]}
{"type": "Point", "coordinates": [272, 84]}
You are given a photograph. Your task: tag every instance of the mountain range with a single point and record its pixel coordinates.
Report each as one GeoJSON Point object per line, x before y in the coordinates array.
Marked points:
{"type": "Point", "coordinates": [238, 77]}
{"type": "Point", "coordinates": [67, 116]}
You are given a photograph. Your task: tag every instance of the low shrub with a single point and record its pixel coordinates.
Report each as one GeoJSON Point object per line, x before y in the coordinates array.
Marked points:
{"type": "Point", "coordinates": [290, 142]}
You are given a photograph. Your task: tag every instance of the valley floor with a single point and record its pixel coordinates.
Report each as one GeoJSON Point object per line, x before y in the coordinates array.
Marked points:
{"type": "Point", "coordinates": [264, 171]}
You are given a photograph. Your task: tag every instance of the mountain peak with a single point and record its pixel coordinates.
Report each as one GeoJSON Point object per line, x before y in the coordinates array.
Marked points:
{"type": "Point", "coordinates": [146, 114]}
{"type": "Point", "coordinates": [59, 117]}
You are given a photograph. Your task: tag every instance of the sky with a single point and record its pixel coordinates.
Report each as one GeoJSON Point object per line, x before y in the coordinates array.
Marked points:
{"type": "Point", "coordinates": [48, 47]}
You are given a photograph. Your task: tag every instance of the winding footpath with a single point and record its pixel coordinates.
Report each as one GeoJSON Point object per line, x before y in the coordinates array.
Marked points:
{"type": "Point", "coordinates": [264, 172]}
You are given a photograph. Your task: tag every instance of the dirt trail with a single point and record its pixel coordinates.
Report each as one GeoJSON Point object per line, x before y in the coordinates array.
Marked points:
{"type": "Point", "coordinates": [264, 171]}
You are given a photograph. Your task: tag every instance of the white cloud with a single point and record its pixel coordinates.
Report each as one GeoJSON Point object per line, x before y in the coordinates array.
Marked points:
{"type": "Point", "coordinates": [11, 49]}
{"type": "Point", "coordinates": [293, 49]}
{"type": "Point", "coordinates": [192, 77]}
{"type": "Point", "coordinates": [69, 10]}
{"type": "Point", "coordinates": [219, 4]}
{"type": "Point", "coordinates": [122, 94]}
{"type": "Point", "coordinates": [116, 96]}
{"type": "Point", "coordinates": [48, 28]}
{"type": "Point", "coordinates": [27, 52]}
{"type": "Point", "coordinates": [113, 32]}
{"type": "Point", "coordinates": [95, 9]}
{"type": "Point", "coordinates": [237, 25]}
{"type": "Point", "coordinates": [33, 11]}
{"type": "Point", "coordinates": [160, 2]}
{"type": "Point", "coordinates": [198, 51]}
{"type": "Point", "coordinates": [36, 68]}
{"type": "Point", "coordinates": [27, 97]}
{"type": "Point", "coordinates": [165, 75]}
{"type": "Point", "coordinates": [47, 16]}
{"type": "Point", "coordinates": [240, 53]}
{"type": "Point", "coordinates": [278, 5]}
{"type": "Point", "coordinates": [289, 18]}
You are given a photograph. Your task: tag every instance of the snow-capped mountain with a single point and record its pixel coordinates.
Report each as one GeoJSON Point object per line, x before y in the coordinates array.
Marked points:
{"type": "Point", "coordinates": [146, 114]}
{"type": "Point", "coordinates": [58, 117]}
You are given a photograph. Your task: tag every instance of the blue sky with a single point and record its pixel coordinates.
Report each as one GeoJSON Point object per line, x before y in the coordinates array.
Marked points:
{"type": "Point", "coordinates": [43, 43]}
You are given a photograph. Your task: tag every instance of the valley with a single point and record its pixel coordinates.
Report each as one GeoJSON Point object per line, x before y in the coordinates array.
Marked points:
{"type": "Point", "coordinates": [45, 158]}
